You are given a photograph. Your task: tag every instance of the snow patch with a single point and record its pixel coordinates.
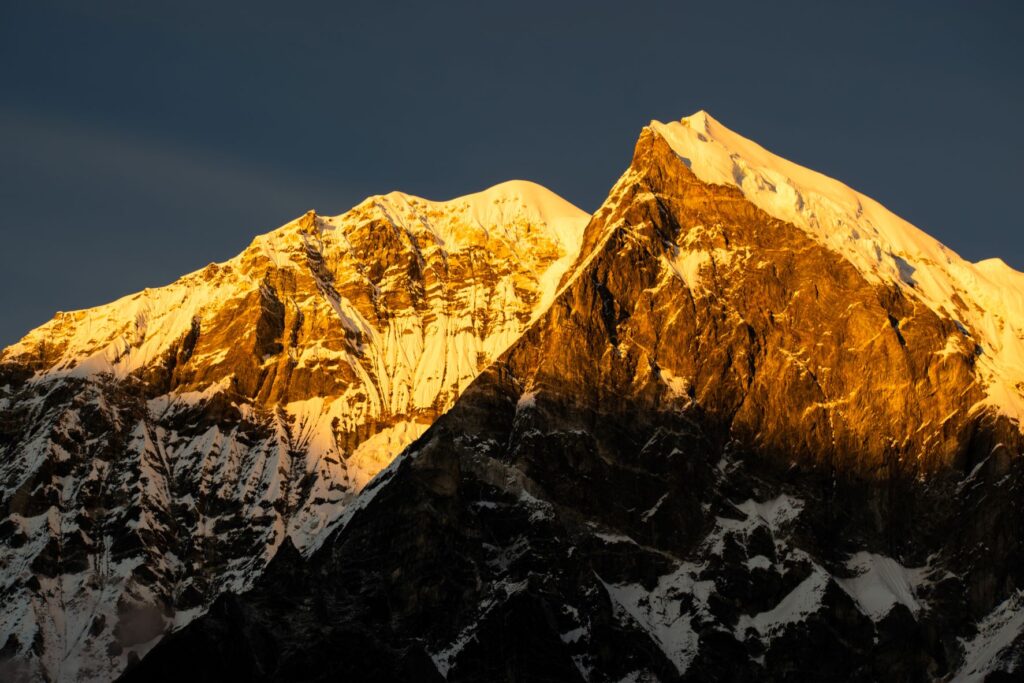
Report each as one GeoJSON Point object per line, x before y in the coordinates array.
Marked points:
{"type": "Point", "coordinates": [801, 602]}
{"type": "Point", "coordinates": [993, 647]}
{"type": "Point", "coordinates": [654, 508]}
{"type": "Point", "coordinates": [759, 562]}
{"type": "Point", "coordinates": [527, 400]}
{"type": "Point", "coordinates": [662, 613]}
{"type": "Point", "coordinates": [692, 265]}
{"type": "Point", "coordinates": [678, 387]}
{"type": "Point", "coordinates": [882, 583]}
{"type": "Point", "coordinates": [775, 512]}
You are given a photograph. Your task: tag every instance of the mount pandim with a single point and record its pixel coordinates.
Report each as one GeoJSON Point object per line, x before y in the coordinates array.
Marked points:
{"type": "Point", "coordinates": [742, 423]}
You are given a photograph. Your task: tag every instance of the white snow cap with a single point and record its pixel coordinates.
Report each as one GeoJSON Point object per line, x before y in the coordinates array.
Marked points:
{"type": "Point", "coordinates": [500, 205]}
{"type": "Point", "coordinates": [986, 297]}
{"type": "Point", "coordinates": [492, 206]}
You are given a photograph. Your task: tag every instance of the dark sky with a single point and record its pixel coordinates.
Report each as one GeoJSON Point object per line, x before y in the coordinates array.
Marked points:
{"type": "Point", "coordinates": [142, 140]}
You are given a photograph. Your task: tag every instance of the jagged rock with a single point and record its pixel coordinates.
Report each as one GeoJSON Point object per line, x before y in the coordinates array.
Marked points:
{"type": "Point", "coordinates": [754, 464]}
{"type": "Point", "coordinates": [157, 451]}
{"type": "Point", "coordinates": [747, 425]}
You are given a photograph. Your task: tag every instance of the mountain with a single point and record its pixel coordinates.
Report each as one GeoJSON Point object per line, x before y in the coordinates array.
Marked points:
{"type": "Point", "coordinates": [765, 431]}
{"type": "Point", "coordinates": [157, 451]}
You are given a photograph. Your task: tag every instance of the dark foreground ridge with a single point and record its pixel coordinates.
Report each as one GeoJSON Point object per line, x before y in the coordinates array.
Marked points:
{"type": "Point", "coordinates": [653, 484]}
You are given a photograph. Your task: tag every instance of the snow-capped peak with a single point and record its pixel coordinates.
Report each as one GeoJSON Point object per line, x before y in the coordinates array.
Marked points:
{"type": "Point", "coordinates": [266, 390]}
{"type": "Point", "coordinates": [488, 206]}
{"type": "Point", "coordinates": [124, 335]}
{"type": "Point", "coordinates": [987, 297]}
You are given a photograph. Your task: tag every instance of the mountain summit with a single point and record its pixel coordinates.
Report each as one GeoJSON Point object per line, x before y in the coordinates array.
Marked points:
{"type": "Point", "coordinates": [742, 423]}
{"type": "Point", "coordinates": [986, 297]}
{"type": "Point", "coordinates": [159, 449]}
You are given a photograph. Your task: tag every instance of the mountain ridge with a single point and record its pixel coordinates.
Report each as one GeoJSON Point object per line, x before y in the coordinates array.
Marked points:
{"type": "Point", "coordinates": [660, 481]}
{"type": "Point", "coordinates": [697, 398]}
{"type": "Point", "coordinates": [158, 449]}
{"type": "Point", "coordinates": [880, 244]}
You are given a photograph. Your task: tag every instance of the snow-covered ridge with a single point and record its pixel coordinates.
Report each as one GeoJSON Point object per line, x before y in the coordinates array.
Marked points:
{"type": "Point", "coordinates": [335, 340]}
{"type": "Point", "coordinates": [495, 205]}
{"type": "Point", "coordinates": [986, 297]}
{"type": "Point", "coordinates": [468, 218]}
{"type": "Point", "coordinates": [411, 360]}
{"type": "Point", "coordinates": [131, 332]}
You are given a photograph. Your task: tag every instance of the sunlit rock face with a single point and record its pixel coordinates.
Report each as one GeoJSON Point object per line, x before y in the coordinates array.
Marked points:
{"type": "Point", "coordinates": [156, 451]}
{"type": "Point", "coordinates": [728, 450]}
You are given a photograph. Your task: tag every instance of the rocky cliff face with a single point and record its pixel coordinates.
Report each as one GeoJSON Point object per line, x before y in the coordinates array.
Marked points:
{"type": "Point", "coordinates": [157, 451]}
{"type": "Point", "coordinates": [728, 450]}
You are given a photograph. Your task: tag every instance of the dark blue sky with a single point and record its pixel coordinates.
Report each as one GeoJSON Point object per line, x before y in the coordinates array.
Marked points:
{"type": "Point", "coordinates": [141, 140]}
